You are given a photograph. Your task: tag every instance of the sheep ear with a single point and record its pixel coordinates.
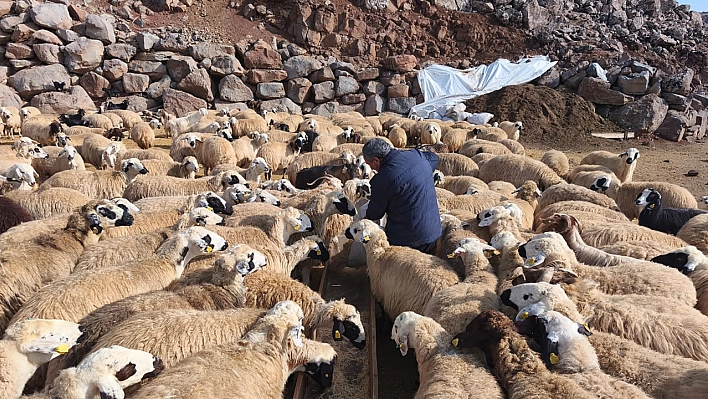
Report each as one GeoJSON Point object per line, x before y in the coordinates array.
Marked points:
{"type": "Point", "coordinates": [295, 223]}
{"type": "Point", "coordinates": [48, 346]}
{"type": "Point", "coordinates": [109, 388]}
{"type": "Point", "coordinates": [535, 260]}
{"type": "Point", "coordinates": [403, 345]}
{"type": "Point", "coordinates": [584, 329]}
{"type": "Point", "coordinates": [457, 252]}
{"type": "Point", "coordinates": [94, 223]}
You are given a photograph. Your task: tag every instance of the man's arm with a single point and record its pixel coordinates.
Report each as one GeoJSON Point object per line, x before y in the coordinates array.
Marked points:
{"type": "Point", "coordinates": [378, 202]}
{"type": "Point", "coordinates": [432, 158]}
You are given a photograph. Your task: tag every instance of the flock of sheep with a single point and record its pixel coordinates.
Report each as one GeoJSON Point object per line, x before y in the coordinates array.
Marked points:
{"type": "Point", "coordinates": [124, 274]}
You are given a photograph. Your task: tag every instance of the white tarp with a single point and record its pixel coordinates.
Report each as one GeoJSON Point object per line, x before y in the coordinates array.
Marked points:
{"type": "Point", "coordinates": [443, 86]}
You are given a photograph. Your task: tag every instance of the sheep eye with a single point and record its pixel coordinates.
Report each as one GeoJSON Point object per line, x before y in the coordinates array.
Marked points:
{"type": "Point", "coordinates": [526, 297]}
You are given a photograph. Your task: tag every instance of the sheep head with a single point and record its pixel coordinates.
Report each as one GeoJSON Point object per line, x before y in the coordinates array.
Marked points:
{"type": "Point", "coordinates": [265, 197]}
{"type": "Point", "coordinates": [281, 326]}
{"type": "Point", "coordinates": [242, 259]}
{"type": "Point", "coordinates": [403, 331]}
{"type": "Point", "coordinates": [648, 199]}
{"type": "Point", "coordinates": [203, 216]}
{"type": "Point", "coordinates": [362, 230]}
{"type": "Point", "coordinates": [528, 191]}
{"type": "Point", "coordinates": [190, 163]}
{"type": "Point", "coordinates": [238, 193]}
{"type": "Point", "coordinates": [522, 295]}
{"type": "Point", "coordinates": [472, 247]}
{"type": "Point", "coordinates": [438, 177]}
{"type": "Point", "coordinates": [341, 203]}
{"type": "Point", "coordinates": [212, 200]}
{"type": "Point", "coordinates": [42, 340]}
{"type": "Point", "coordinates": [184, 246]}
{"type": "Point", "coordinates": [560, 223]}
{"type": "Point", "coordinates": [192, 139]}
{"type": "Point", "coordinates": [685, 259]}
{"type": "Point", "coordinates": [132, 167]}
{"type": "Point", "coordinates": [321, 359]}
{"type": "Point", "coordinates": [102, 214]}
{"type": "Point", "coordinates": [490, 326]}
{"type": "Point", "coordinates": [504, 241]}
{"type": "Point", "coordinates": [318, 249]}
{"type": "Point", "coordinates": [347, 323]}
{"type": "Point", "coordinates": [546, 249]}
{"type": "Point", "coordinates": [22, 176]}
{"type": "Point", "coordinates": [632, 155]}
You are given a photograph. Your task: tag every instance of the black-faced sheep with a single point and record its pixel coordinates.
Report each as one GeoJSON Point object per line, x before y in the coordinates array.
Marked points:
{"type": "Point", "coordinates": [622, 165]}
{"type": "Point", "coordinates": [664, 219]}
{"type": "Point", "coordinates": [98, 184]}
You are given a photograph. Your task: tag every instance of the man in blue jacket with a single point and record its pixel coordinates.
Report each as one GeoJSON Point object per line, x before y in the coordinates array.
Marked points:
{"type": "Point", "coordinates": [403, 189]}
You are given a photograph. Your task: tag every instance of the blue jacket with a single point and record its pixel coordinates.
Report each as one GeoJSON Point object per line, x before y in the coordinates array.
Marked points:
{"type": "Point", "coordinates": [404, 190]}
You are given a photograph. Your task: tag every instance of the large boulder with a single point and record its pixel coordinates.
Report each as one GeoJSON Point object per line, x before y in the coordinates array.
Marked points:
{"type": "Point", "coordinates": [223, 65]}
{"type": "Point", "coordinates": [401, 105]}
{"type": "Point", "coordinates": [635, 85]}
{"type": "Point", "coordinates": [323, 91]}
{"type": "Point", "coordinates": [156, 89]}
{"type": "Point", "coordinates": [154, 69]}
{"type": "Point", "coordinates": [180, 103]}
{"type": "Point", "coordinates": [679, 83]}
{"type": "Point", "coordinates": [262, 58]}
{"type": "Point", "coordinates": [643, 116]}
{"type": "Point", "coordinates": [122, 51]}
{"type": "Point", "coordinates": [204, 50]}
{"type": "Point", "coordinates": [9, 98]}
{"type": "Point", "coordinates": [51, 15]}
{"type": "Point", "coordinates": [400, 63]}
{"type": "Point", "coordinates": [114, 69]}
{"type": "Point", "coordinates": [94, 84]}
{"type": "Point", "coordinates": [198, 83]}
{"type": "Point", "coordinates": [598, 91]}
{"type": "Point", "coordinates": [135, 82]}
{"type": "Point", "coordinates": [232, 89]}
{"type": "Point", "coordinates": [301, 66]}
{"type": "Point", "coordinates": [61, 102]}
{"type": "Point", "coordinates": [47, 53]}
{"type": "Point", "coordinates": [282, 105]}
{"type": "Point", "coordinates": [270, 91]}
{"type": "Point", "coordinates": [298, 89]}
{"type": "Point", "coordinates": [374, 105]}
{"type": "Point", "coordinates": [180, 66]}
{"type": "Point", "coordinates": [83, 55]}
{"type": "Point", "coordinates": [346, 85]}
{"type": "Point", "coordinates": [32, 81]}
{"type": "Point", "coordinates": [100, 29]}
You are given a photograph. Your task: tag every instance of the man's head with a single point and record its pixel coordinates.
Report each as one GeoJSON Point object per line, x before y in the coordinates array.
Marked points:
{"type": "Point", "coordinates": [375, 150]}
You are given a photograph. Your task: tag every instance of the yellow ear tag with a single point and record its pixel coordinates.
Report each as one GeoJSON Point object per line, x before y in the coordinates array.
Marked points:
{"type": "Point", "coordinates": [554, 358]}
{"type": "Point", "coordinates": [296, 227]}
{"type": "Point", "coordinates": [586, 326]}
{"type": "Point", "coordinates": [326, 375]}
{"type": "Point", "coordinates": [209, 208]}
{"type": "Point", "coordinates": [451, 255]}
{"type": "Point", "coordinates": [209, 249]}
{"type": "Point", "coordinates": [337, 335]}
{"type": "Point", "coordinates": [651, 206]}
{"type": "Point", "coordinates": [496, 252]}
{"type": "Point", "coordinates": [302, 335]}
{"type": "Point", "coordinates": [95, 230]}
{"type": "Point", "coordinates": [62, 349]}
{"type": "Point", "coordinates": [319, 252]}
{"type": "Point", "coordinates": [524, 316]}
{"type": "Point", "coordinates": [367, 238]}
{"type": "Point", "coordinates": [455, 342]}
{"type": "Point", "coordinates": [358, 195]}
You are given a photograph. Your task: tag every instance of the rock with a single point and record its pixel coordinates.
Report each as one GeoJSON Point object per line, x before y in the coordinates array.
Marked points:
{"type": "Point", "coordinates": [22, 33]}
{"type": "Point", "coordinates": [9, 22]}
{"type": "Point", "coordinates": [46, 36]}
{"type": "Point", "coordinates": [301, 66]}
{"type": "Point", "coordinates": [374, 105]}
{"type": "Point", "coordinates": [180, 103]}
{"type": "Point", "coordinates": [594, 70]}
{"type": "Point", "coordinates": [4, 73]}
{"type": "Point", "coordinates": [77, 13]}
{"type": "Point", "coordinates": [47, 53]}
{"type": "Point", "coordinates": [140, 104]}
{"type": "Point", "coordinates": [282, 105]}
{"type": "Point", "coordinates": [638, 67]}
{"type": "Point", "coordinates": [94, 84]}
{"type": "Point", "coordinates": [298, 89]}
{"type": "Point", "coordinates": [346, 85]}
{"type": "Point", "coordinates": [255, 76]}
{"type": "Point", "coordinates": [598, 91]}
{"type": "Point", "coordinates": [156, 89]}
{"type": "Point", "coordinates": [679, 83]}
{"type": "Point", "coordinates": [83, 55]}
{"type": "Point", "coordinates": [691, 173]}
{"type": "Point", "coordinates": [18, 51]}
{"type": "Point", "coordinates": [323, 91]}
{"type": "Point", "coordinates": [146, 41]}
{"type": "Point", "coordinates": [327, 110]}
{"type": "Point", "coordinates": [353, 98]}
{"type": "Point", "coordinates": [550, 79]}
{"type": "Point", "coordinates": [574, 81]}
{"type": "Point", "coordinates": [67, 35]}
{"type": "Point", "coordinates": [269, 91]}
{"type": "Point", "coordinates": [9, 98]}
{"type": "Point", "coordinates": [204, 50]}
{"type": "Point", "coordinates": [322, 75]}
{"type": "Point", "coordinates": [114, 69]}
{"type": "Point", "coordinates": [676, 101]}
{"type": "Point", "coordinates": [397, 91]}
{"type": "Point", "coordinates": [122, 51]}
{"type": "Point", "coordinates": [51, 15]}
{"type": "Point", "coordinates": [636, 85]}
{"type": "Point", "coordinates": [22, 64]}
{"type": "Point", "coordinates": [367, 74]}
{"type": "Point", "coordinates": [401, 105]}
{"type": "Point", "coordinates": [343, 66]}
{"type": "Point", "coordinates": [643, 116]}
{"type": "Point", "coordinates": [100, 29]}
{"type": "Point", "coordinates": [535, 17]}
{"type": "Point", "coordinates": [135, 82]}
{"type": "Point", "coordinates": [56, 102]}
{"type": "Point", "coordinates": [673, 126]}
{"type": "Point", "coordinates": [703, 98]}
{"type": "Point", "coordinates": [35, 80]}
{"type": "Point", "coordinates": [198, 83]}
{"type": "Point", "coordinates": [223, 65]}
{"type": "Point", "coordinates": [155, 70]}
{"type": "Point", "coordinates": [5, 7]}
{"type": "Point", "coordinates": [180, 66]}
{"type": "Point", "coordinates": [400, 63]}
{"type": "Point", "coordinates": [231, 88]}
{"type": "Point", "coordinates": [373, 87]}
{"type": "Point", "coordinates": [172, 42]}
{"type": "Point", "coordinates": [262, 58]}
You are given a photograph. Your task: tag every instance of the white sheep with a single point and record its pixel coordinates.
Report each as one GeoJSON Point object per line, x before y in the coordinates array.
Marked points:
{"type": "Point", "coordinates": [622, 165]}
{"type": "Point", "coordinates": [188, 144]}
{"type": "Point", "coordinates": [110, 155]}
{"type": "Point", "coordinates": [21, 176]}
{"type": "Point", "coordinates": [557, 161]}
{"type": "Point", "coordinates": [444, 372]}
{"type": "Point", "coordinates": [11, 120]}
{"type": "Point", "coordinates": [91, 289]}
{"type": "Point", "coordinates": [98, 121]}
{"type": "Point", "coordinates": [246, 147]}
{"type": "Point", "coordinates": [42, 128]}
{"type": "Point", "coordinates": [29, 344]}
{"type": "Point", "coordinates": [513, 129]}
{"type": "Point", "coordinates": [129, 118]}
{"type": "Point", "coordinates": [516, 169]}
{"type": "Point", "coordinates": [98, 184]}
{"type": "Point", "coordinates": [50, 202]}
{"type": "Point", "coordinates": [143, 134]}
{"type": "Point", "coordinates": [417, 276]}
{"type": "Point", "coordinates": [457, 165]}
{"type": "Point", "coordinates": [93, 147]}
{"type": "Point", "coordinates": [398, 137]}
{"type": "Point", "coordinates": [29, 112]}
{"type": "Point", "coordinates": [177, 126]}
{"type": "Point", "coordinates": [160, 186]}
{"type": "Point", "coordinates": [244, 127]}
{"type": "Point", "coordinates": [215, 151]}
{"type": "Point", "coordinates": [106, 373]}
{"type": "Point", "coordinates": [186, 169]}
{"type": "Point", "coordinates": [67, 158]}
